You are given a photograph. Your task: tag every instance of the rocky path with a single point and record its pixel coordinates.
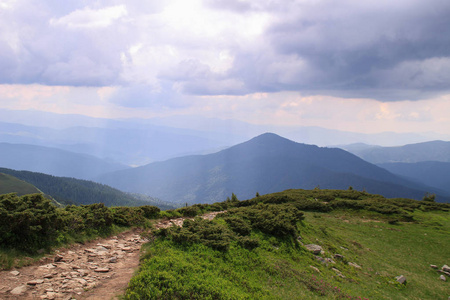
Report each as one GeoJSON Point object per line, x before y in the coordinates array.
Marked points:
{"type": "Point", "coordinates": [97, 270]}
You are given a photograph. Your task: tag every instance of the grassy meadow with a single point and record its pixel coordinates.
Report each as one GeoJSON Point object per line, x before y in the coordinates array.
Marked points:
{"type": "Point", "coordinates": [255, 251]}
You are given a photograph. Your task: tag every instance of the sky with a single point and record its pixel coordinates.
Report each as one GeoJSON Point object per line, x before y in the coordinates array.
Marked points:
{"type": "Point", "coordinates": [364, 66]}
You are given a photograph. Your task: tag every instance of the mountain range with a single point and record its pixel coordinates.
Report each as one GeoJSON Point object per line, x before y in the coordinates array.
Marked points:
{"type": "Point", "coordinates": [267, 163]}
{"type": "Point", "coordinates": [136, 142]}
{"type": "Point", "coordinates": [54, 161]}
{"type": "Point", "coordinates": [411, 153]}
{"type": "Point", "coordinates": [432, 173]}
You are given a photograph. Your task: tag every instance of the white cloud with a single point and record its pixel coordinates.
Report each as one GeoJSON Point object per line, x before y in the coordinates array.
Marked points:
{"type": "Point", "coordinates": [88, 18]}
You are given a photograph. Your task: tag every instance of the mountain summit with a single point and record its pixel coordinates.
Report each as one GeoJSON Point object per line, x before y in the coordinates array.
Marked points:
{"type": "Point", "coordinates": [267, 163]}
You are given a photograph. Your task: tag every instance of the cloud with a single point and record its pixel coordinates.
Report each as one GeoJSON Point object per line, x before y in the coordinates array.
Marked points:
{"type": "Point", "coordinates": [386, 50]}
{"type": "Point", "coordinates": [88, 18]}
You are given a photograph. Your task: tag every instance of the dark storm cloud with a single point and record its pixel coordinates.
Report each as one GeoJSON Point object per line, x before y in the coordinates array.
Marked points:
{"type": "Point", "coordinates": [387, 50]}
{"type": "Point", "coordinates": [351, 48]}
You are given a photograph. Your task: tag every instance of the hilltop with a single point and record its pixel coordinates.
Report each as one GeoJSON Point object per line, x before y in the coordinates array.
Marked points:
{"type": "Point", "coordinates": [265, 164]}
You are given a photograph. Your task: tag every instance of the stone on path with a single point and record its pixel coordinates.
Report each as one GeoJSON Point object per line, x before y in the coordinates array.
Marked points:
{"type": "Point", "coordinates": [35, 282]}
{"type": "Point", "coordinates": [102, 270]}
{"type": "Point", "coordinates": [14, 273]}
{"type": "Point", "coordinates": [19, 290]}
{"type": "Point", "coordinates": [58, 258]}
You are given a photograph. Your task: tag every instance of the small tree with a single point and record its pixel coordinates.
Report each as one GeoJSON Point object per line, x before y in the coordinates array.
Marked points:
{"type": "Point", "coordinates": [234, 198]}
{"type": "Point", "coordinates": [429, 197]}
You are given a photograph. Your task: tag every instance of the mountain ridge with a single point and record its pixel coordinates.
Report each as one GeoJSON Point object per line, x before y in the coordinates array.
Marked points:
{"type": "Point", "coordinates": [264, 164]}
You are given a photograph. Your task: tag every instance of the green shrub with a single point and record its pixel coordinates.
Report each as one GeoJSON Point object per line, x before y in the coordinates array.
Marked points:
{"type": "Point", "coordinates": [28, 223]}
{"type": "Point", "coordinates": [238, 225]}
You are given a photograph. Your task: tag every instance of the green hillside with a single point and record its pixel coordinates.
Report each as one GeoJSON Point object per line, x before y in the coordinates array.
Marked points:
{"type": "Point", "coordinates": [257, 249]}
{"type": "Point", "coordinates": [76, 191]}
{"type": "Point", "coordinates": [11, 184]}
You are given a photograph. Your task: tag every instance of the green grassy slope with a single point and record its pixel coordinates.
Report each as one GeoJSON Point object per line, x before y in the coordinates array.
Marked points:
{"type": "Point", "coordinates": [76, 191]}
{"type": "Point", "coordinates": [256, 250]}
{"type": "Point", "coordinates": [11, 184]}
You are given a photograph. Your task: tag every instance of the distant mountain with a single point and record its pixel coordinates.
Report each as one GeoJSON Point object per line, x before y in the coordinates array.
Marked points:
{"type": "Point", "coordinates": [11, 184]}
{"type": "Point", "coordinates": [131, 144]}
{"type": "Point", "coordinates": [427, 151]}
{"type": "Point", "coordinates": [75, 191]}
{"type": "Point", "coordinates": [265, 164]}
{"type": "Point", "coordinates": [136, 142]}
{"type": "Point", "coordinates": [54, 161]}
{"type": "Point", "coordinates": [432, 173]}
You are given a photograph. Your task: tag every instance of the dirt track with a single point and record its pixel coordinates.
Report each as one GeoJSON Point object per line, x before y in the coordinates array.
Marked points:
{"type": "Point", "coordinates": [100, 269]}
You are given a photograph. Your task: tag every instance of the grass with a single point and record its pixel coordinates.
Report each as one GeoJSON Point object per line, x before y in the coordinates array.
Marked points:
{"type": "Point", "coordinates": [385, 251]}
{"type": "Point", "coordinates": [11, 184]}
{"type": "Point", "coordinates": [280, 268]}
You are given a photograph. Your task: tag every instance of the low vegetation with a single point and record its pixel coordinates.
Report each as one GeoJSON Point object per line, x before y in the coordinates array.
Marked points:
{"type": "Point", "coordinates": [31, 223]}
{"type": "Point", "coordinates": [255, 250]}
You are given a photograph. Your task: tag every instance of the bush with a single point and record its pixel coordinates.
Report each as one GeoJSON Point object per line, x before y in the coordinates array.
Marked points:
{"type": "Point", "coordinates": [238, 225]}
{"type": "Point", "coordinates": [28, 223]}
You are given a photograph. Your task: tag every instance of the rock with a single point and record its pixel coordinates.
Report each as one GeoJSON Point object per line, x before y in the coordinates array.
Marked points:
{"type": "Point", "coordinates": [58, 258]}
{"type": "Point", "coordinates": [445, 268]}
{"type": "Point", "coordinates": [101, 270]}
{"type": "Point", "coordinates": [315, 249]}
{"type": "Point", "coordinates": [354, 265]}
{"type": "Point", "coordinates": [14, 273]}
{"type": "Point", "coordinates": [315, 269]}
{"type": "Point", "coordinates": [19, 290]}
{"type": "Point", "coordinates": [49, 266]}
{"type": "Point", "coordinates": [338, 256]}
{"type": "Point", "coordinates": [35, 282]}
{"type": "Point", "coordinates": [113, 259]}
{"type": "Point", "coordinates": [83, 272]}
{"type": "Point", "coordinates": [401, 279]}
{"type": "Point", "coordinates": [48, 276]}
{"type": "Point", "coordinates": [329, 260]}
{"type": "Point", "coordinates": [101, 248]}
{"type": "Point", "coordinates": [321, 259]}
{"type": "Point", "coordinates": [104, 246]}
{"type": "Point", "coordinates": [339, 273]}
{"type": "Point", "coordinates": [442, 277]}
